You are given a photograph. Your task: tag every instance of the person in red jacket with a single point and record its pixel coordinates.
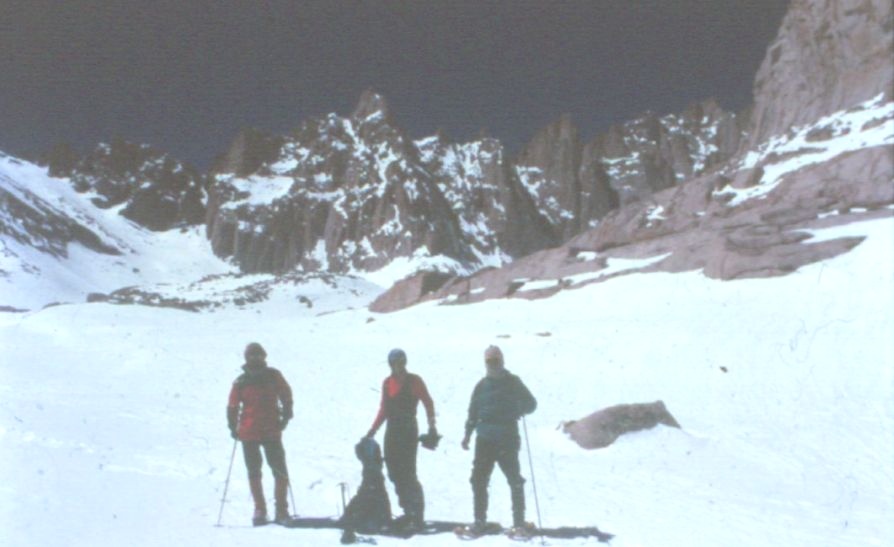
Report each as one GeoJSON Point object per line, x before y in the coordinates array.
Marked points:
{"type": "Point", "coordinates": [259, 408]}
{"type": "Point", "coordinates": [401, 393]}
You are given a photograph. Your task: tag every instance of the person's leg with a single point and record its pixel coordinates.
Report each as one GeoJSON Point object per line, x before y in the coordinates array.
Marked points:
{"type": "Point", "coordinates": [251, 451]}
{"type": "Point", "coordinates": [400, 461]}
{"type": "Point", "coordinates": [482, 467]}
{"type": "Point", "coordinates": [276, 459]}
{"type": "Point", "coordinates": [508, 459]}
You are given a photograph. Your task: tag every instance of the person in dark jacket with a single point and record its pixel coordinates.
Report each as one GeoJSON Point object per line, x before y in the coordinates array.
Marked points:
{"type": "Point", "coordinates": [259, 408]}
{"type": "Point", "coordinates": [401, 393]}
{"type": "Point", "coordinates": [498, 401]}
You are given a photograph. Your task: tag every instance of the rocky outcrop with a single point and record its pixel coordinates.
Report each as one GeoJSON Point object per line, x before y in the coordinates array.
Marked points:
{"type": "Point", "coordinates": [748, 214]}
{"type": "Point", "coordinates": [356, 193]}
{"type": "Point", "coordinates": [500, 217]}
{"type": "Point", "coordinates": [250, 151]}
{"type": "Point", "coordinates": [755, 218]}
{"type": "Point", "coordinates": [577, 184]}
{"type": "Point", "coordinates": [150, 188]}
{"type": "Point", "coordinates": [602, 428]}
{"type": "Point", "coordinates": [342, 193]}
{"type": "Point", "coordinates": [828, 56]}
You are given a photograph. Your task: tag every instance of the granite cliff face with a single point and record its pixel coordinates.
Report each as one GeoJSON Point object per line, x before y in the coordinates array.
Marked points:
{"type": "Point", "coordinates": [698, 193]}
{"type": "Point", "coordinates": [338, 194]}
{"type": "Point", "coordinates": [150, 188]}
{"type": "Point", "coordinates": [356, 193]}
{"type": "Point", "coordinates": [829, 55]}
{"type": "Point", "coordinates": [576, 184]}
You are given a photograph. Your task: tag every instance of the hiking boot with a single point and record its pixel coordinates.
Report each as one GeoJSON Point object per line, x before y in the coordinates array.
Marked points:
{"type": "Point", "coordinates": [259, 518]}
{"type": "Point", "coordinates": [257, 493]}
{"type": "Point", "coordinates": [472, 531]}
{"type": "Point", "coordinates": [408, 524]}
{"type": "Point", "coordinates": [282, 517]}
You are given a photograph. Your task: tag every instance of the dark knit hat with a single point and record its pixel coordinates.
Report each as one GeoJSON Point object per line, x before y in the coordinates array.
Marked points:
{"type": "Point", "coordinates": [255, 350]}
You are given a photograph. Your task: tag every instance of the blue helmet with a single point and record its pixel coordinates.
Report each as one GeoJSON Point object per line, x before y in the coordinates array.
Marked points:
{"type": "Point", "coordinates": [397, 357]}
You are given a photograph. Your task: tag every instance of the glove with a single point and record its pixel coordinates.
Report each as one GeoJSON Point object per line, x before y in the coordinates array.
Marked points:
{"type": "Point", "coordinates": [465, 443]}
{"type": "Point", "coordinates": [233, 433]}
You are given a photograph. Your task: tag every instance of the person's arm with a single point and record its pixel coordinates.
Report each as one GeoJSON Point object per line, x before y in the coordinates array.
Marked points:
{"type": "Point", "coordinates": [525, 400]}
{"type": "Point", "coordinates": [233, 411]}
{"type": "Point", "coordinates": [420, 391]}
{"type": "Point", "coordinates": [285, 399]}
{"type": "Point", "coordinates": [380, 416]}
{"type": "Point", "coordinates": [472, 419]}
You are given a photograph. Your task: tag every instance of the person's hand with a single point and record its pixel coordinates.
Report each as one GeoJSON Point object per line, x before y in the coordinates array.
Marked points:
{"type": "Point", "coordinates": [233, 433]}
{"type": "Point", "coordinates": [283, 423]}
{"type": "Point", "coordinates": [465, 443]}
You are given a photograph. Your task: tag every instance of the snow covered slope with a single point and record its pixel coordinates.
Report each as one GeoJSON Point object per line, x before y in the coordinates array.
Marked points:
{"type": "Point", "coordinates": [57, 246]}
{"type": "Point", "coordinates": [112, 425]}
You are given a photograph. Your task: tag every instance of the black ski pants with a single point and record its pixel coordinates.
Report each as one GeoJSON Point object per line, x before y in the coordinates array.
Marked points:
{"type": "Point", "coordinates": [401, 445]}
{"type": "Point", "coordinates": [505, 454]}
{"type": "Point", "coordinates": [276, 458]}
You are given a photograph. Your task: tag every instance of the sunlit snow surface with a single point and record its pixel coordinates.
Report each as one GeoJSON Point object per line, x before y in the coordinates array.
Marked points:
{"type": "Point", "coordinates": [112, 427]}
{"type": "Point", "coordinates": [30, 279]}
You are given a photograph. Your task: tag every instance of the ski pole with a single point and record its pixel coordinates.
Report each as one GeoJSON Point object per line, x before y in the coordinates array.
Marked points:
{"type": "Point", "coordinates": [533, 479]}
{"type": "Point", "coordinates": [223, 499]}
{"type": "Point", "coordinates": [343, 486]}
{"type": "Point", "coordinates": [292, 497]}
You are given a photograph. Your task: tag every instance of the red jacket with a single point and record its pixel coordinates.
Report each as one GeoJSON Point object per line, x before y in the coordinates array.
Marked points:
{"type": "Point", "coordinates": [391, 387]}
{"type": "Point", "coordinates": [259, 399]}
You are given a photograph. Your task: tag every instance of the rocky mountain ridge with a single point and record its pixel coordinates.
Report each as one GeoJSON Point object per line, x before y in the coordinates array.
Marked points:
{"type": "Point", "coordinates": [818, 152]}
{"type": "Point", "coordinates": [338, 191]}
{"type": "Point", "coordinates": [356, 193]}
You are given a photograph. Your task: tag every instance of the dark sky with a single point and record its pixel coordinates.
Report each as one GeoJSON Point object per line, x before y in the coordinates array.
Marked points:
{"type": "Point", "coordinates": [186, 75]}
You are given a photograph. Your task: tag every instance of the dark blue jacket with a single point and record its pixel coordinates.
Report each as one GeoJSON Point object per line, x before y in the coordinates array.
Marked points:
{"type": "Point", "coordinates": [498, 401]}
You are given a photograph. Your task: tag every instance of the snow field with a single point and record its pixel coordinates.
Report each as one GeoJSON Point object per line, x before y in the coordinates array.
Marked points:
{"type": "Point", "coordinates": [112, 421]}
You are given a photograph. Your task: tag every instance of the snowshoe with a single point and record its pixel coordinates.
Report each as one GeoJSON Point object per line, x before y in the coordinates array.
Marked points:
{"type": "Point", "coordinates": [407, 525]}
{"type": "Point", "coordinates": [476, 530]}
{"type": "Point", "coordinates": [523, 532]}
{"type": "Point", "coordinates": [284, 519]}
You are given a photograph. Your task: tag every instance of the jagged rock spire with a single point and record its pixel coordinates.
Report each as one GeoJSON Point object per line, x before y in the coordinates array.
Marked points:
{"type": "Point", "coordinates": [370, 103]}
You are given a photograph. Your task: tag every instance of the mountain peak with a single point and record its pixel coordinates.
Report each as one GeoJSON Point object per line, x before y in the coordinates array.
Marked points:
{"type": "Point", "coordinates": [371, 104]}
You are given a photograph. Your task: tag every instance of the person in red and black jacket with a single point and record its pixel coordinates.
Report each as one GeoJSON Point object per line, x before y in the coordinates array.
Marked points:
{"type": "Point", "coordinates": [259, 408]}
{"type": "Point", "coordinates": [401, 393]}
